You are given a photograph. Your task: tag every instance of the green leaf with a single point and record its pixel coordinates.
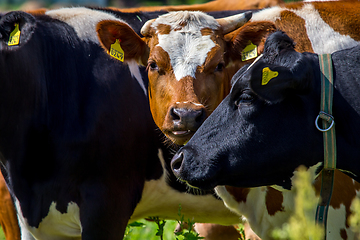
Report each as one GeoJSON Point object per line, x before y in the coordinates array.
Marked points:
{"type": "Point", "coordinates": [136, 224]}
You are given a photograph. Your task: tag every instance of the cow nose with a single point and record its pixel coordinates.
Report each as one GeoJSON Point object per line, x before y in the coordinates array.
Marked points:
{"type": "Point", "coordinates": [176, 163]}
{"type": "Point", "coordinates": [192, 118]}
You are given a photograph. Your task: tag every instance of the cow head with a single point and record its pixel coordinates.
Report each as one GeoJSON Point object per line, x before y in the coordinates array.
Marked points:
{"type": "Point", "coordinates": [188, 59]}
{"type": "Point", "coordinates": [264, 129]}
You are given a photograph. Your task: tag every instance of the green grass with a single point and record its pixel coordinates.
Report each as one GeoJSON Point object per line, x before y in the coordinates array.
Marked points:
{"type": "Point", "coordinates": [2, 235]}
{"type": "Point", "coordinates": [148, 231]}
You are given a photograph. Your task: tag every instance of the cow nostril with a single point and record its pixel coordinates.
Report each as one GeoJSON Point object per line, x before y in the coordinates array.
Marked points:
{"type": "Point", "coordinates": [174, 114]}
{"type": "Point", "coordinates": [176, 163]}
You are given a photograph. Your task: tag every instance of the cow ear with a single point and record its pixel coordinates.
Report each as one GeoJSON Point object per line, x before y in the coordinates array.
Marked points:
{"type": "Point", "coordinates": [16, 29]}
{"type": "Point", "coordinates": [251, 34]}
{"type": "Point", "coordinates": [134, 48]}
{"type": "Point", "coordinates": [274, 83]}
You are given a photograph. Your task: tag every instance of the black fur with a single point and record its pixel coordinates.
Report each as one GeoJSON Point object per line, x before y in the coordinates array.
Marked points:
{"type": "Point", "coordinates": [260, 133]}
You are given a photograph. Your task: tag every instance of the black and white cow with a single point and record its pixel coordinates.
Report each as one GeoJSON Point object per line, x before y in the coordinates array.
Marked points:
{"type": "Point", "coordinates": [265, 129]}
{"type": "Point", "coordinates": [80, 151]}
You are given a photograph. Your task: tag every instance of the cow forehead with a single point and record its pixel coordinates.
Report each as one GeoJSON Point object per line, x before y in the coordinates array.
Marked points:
{"type": "Point", "coordinates": [185, 40]}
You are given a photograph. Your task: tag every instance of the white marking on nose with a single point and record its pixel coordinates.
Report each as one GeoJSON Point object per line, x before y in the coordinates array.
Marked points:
{"type": "Point", "coordinates": [186, 102]}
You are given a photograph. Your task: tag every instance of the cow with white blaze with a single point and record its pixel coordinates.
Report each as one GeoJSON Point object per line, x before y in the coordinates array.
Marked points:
{"type": "Point", "coordinates": [187, 56]}
{"type": "Point", "coordinates": [264, 130]}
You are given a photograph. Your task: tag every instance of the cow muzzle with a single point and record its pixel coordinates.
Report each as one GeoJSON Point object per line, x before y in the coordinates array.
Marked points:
{"type": "Point", "coordinates": [182, 123]}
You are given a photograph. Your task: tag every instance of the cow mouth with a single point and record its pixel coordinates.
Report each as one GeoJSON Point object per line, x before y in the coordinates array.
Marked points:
{"type": "Point", "coordinates": [181, 133]}
{"type": "Point", "coordinates": [180, 137]}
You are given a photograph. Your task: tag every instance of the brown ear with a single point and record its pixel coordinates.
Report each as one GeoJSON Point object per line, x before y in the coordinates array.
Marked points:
{"type": "Point", "coordinates": [256, 32]}
{"type": "Point", "coordinates": [133, 46]}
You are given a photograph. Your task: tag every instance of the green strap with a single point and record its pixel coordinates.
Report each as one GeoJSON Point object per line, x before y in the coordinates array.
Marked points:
{"type": "Point", "coordinates": [328, 129]}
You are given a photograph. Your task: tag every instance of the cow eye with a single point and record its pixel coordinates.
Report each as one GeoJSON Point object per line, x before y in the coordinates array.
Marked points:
{"type": "Point", "coordinates": [152, 66]}
{"type": "Point", "coordinates": [246, 98]}
{"type": "Point", "coordinates": [220, 67]}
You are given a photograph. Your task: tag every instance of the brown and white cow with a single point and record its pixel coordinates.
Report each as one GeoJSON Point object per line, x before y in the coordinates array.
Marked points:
{"type": "Point", "coordinates": [319, 27]}
{"type": "Point", "coordinates": [216, 5]}
{"type": "Point", "coordinates": [186, 55]}
{"type": "Point", "coordinates": [268, 208]}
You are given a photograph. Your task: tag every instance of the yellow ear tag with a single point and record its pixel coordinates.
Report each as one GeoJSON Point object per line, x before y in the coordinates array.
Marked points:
{"type": "Point", "coordinates": [14, 38]}
{"type": "Point", "coordinates": [249, 52]}
{"type": "Point", "coordinates": [267, 75]}
{"type": "Point", "coordinates": [116, 51]}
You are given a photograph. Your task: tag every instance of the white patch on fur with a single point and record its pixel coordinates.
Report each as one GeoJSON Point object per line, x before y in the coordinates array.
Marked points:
{"type": "Point", "coordinates": [135, 72]}
{"type": "Point", "coordinates": [338, 221]}
{"type": "Point", "coordinates": [159, 199]}
{"type": "Point", "coordinates": [83, 20]}
{"type": "Point", "coordinates": [268, 14]}
{"type": "Point", "coordinates": [323, 38]}
{"type": "Point", "coordinates": [56, 225]}
{"type": "Point", "coordinates": [254, 209]}
{"type": "Point", "coordinates": [186, 46]}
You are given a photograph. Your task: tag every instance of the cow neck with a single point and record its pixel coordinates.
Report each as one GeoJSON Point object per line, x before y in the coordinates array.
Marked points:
{"type": "Point", "coordinates": [328, 124]}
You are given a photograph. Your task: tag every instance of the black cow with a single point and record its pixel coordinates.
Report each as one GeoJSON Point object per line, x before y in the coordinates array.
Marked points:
{"type": "Point", "coordinates": [80, 151]}
{"type": "Point", "coordinates": [261, 133]}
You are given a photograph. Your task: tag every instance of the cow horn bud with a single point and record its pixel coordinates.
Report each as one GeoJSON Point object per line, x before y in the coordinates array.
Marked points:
{"type": "Point", "coordinates": [229, 24]}
{"type": "Point", "coordinates": [146, 28]}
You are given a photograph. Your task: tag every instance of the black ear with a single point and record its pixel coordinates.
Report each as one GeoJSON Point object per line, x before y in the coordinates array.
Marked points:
{"type": "Point", "coordinates": [275, 82]}
{"type": "Point", "coordinates": [275, 44]}
{"type": "Point", "coordinates": [26, 24]}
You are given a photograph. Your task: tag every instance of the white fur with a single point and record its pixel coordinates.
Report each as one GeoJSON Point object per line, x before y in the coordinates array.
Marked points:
{"type": "Point", "coordinates": [83, 20]}
{"type": "Point", "coordinates": [56, 225]}
{"type": "Point", "coordinates": [337, 221]}
{"type": "Point", "coordinates": [268, 14]}
{"type": "Point", "coordinates": [135, 72]}
{"type": "Point", "coordinates": [158, 199]}
{"type": "Point", "coordinates": [323, 38]}
{"type": "Point", "coordinates": [187, 48]}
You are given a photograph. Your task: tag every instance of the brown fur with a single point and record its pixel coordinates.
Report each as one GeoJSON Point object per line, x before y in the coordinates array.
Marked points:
{"type": "Point", "coordinates": [256, 32]}
{"type": "Point", "coordinates": [343, 17]}
{"type": "Point", "coordinates": [8, 218]}
{"type": "Point", "coordinates": [274, 200]}
{"type": "Point", "coordinates": [217, 5]}
{"type": "Point", "coordinates": [240, 194]}
{"type": "Point", "coordinates": [294, 26]}
{"type": "Point", "coordinates": [133, 46]}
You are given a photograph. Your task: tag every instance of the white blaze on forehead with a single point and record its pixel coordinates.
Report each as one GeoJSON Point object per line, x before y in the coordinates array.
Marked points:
{"type": "Point", "coordinates": [185, 44]}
